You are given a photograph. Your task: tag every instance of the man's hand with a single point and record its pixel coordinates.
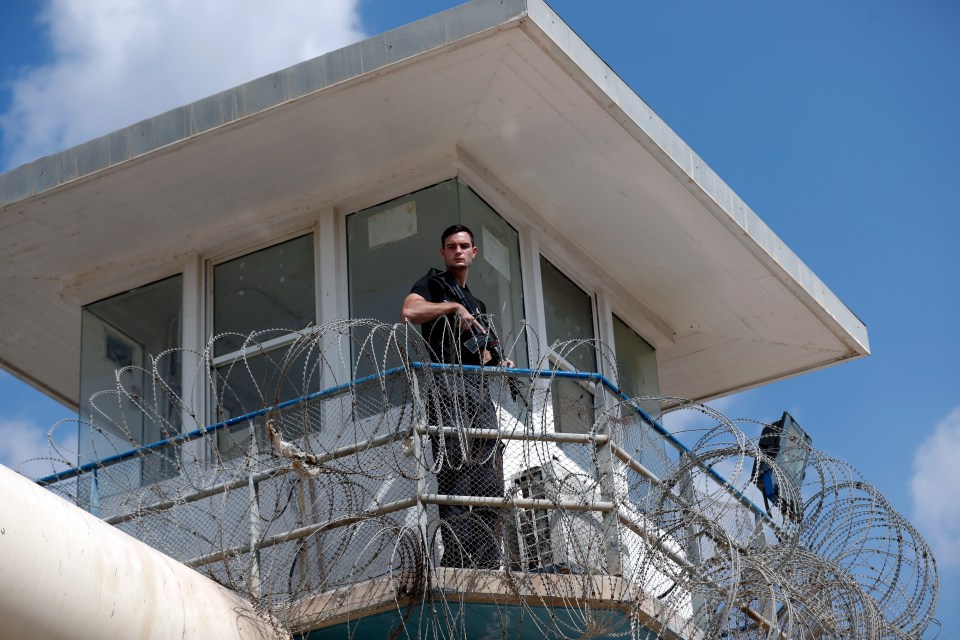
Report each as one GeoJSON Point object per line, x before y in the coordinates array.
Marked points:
{"type": "Point", "coordinates": [505, 362]}
{"type": "Point", "coordinates": [467, 321]}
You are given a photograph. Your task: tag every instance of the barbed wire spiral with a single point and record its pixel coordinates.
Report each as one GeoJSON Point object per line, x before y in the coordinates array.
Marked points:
{"type": "Point", "coordinates": [345, 478]}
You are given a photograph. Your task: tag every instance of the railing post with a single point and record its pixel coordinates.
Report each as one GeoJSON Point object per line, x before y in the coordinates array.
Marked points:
{"type": "Point", "coordinates": [303, 554]}
{"type": "Point", "coordinates": [253, 580]}
{"type": "Point", "coordinates": [758, 542]}
{"type": "Point", "coordinates": [608, 491]}
{"type": "Point", "coordinates": [94, 506]}
{"type": "Point", "coordinates": [692, 546]}
{"type": "Point", "coordinates": [418, 433]}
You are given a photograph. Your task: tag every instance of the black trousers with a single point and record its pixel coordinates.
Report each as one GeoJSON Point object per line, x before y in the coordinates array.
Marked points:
{"type": "Point", "coordinates": [467, 467]}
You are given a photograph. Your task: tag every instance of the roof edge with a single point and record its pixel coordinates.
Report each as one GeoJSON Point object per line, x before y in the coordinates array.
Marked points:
{"type": "Point", "coordinates": [264, 93]}
{"type": "Point", "coordinates": [37, 384]}
{"type": "Point", "coordinates": [637, 117]}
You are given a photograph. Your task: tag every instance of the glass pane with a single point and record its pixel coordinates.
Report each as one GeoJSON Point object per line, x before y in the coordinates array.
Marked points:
{"type": "Point", "coordinates": [256, 382]}
{"type": "Point", "coordinates": [568, 313]}
{"type": "Point", "coordinates": [394, 244]}
{"type": "Point", "coordinates": [391, 246]}
{"type": "Point", "coordinates": [269, 289]}
{"type": "Point", "coordinates": [128, 332]}
{"type": "Point", "coordinates": [637, 364]}
{"type": "Point", "coordinates": [495, 274]}
{"type": "Point", "coordinates": [573, 406]}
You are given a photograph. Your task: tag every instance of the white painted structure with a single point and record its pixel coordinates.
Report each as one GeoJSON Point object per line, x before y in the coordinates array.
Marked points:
{"type": "Point", "coordinates": [504, 97]}
{"type": "Point", "coordinates": [68, 575]}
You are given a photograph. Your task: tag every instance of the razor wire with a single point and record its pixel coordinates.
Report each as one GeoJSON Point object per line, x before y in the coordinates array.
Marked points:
{"type": "Point", "coordinates": [347, 476]}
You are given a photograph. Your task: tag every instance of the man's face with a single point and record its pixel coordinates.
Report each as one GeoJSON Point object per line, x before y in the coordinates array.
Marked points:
{"type": "Point", "coordinates": [458, 251]}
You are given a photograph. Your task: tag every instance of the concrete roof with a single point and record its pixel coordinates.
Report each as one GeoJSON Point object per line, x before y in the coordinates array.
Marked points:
{"type": "Point", "coordinates": [502, 92]}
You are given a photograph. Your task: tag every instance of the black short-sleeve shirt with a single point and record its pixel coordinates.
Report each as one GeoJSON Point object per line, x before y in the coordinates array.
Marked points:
{"type": "Point", "coordinates": [447, 342]}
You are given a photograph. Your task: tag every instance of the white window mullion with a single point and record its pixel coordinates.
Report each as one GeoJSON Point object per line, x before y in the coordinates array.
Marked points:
{"type": "Point", "coordinates": [604, 322]}
{"type": "Point", "coordinates": [332, 286]}
{"type": "Point", "coordinates": [330, 274]}
{"type": "Point", "coordinates": [533, 292]}
{"type": "Point", "coordinates": [606, 359]}
{"type": "Point", "coordinates": [254, 349]}
{"type": "Point", "coordinates": [193, 370]}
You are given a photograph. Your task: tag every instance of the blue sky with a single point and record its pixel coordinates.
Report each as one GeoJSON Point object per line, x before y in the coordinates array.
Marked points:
{"type": "Point", "coordinates": [835, 121]}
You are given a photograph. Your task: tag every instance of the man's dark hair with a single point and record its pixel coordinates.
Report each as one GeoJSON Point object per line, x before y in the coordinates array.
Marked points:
{"type": "Point", "coordinates": [457, 228]}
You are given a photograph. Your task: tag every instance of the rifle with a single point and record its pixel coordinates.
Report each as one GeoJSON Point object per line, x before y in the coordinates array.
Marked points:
{"type": "Point", "coordinates": [480, 341]}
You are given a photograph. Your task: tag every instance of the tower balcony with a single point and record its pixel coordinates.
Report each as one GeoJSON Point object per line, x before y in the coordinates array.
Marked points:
{"type": "Point", "coordinates": [447, 501]}
{"type": "Point", "coordinates": [334, 508]}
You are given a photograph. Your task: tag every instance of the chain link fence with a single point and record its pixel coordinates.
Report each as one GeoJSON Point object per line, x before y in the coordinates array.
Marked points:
{"type": "Point", "coordinates": [351, 476]}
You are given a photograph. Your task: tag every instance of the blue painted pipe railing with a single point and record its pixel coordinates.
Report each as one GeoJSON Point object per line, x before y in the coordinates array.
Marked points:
{"type": "Point", "coordinates": [337, 389]}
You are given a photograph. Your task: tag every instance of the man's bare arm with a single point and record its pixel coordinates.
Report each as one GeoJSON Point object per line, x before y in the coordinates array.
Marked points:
{"type": "Point", "coordinates": [417, 310]}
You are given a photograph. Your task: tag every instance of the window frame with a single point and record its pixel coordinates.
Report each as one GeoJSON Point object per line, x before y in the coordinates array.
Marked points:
{"type": "Point", "coordinates": [213, 363]}
{"type": "Point", "coordinates": [212, 263]}
{"type": "Point", "coordinates": [556, 360]}
{"type": "Point", "coordinates": [149, 471]}
{"type": "Point", "coordinates": [548, 351]}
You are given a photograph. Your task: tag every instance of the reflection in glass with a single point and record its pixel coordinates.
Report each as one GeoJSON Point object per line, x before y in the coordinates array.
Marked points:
{"type": "Point", "coordinates": [568, 314]}
{"type": "Point", "coordinates": [256, 382]}
{"type": "Point", "coordinates": [132, 332]}
{"type": "Point", "coordinates": [394, 244]}
{"type": "Point", "coordinates": [269, 289]}
{"type": "Point", "coordinates": [637, 368]}
{"type": "Point", "coordinates": [495, 274]}
{"type": "Point", "coordinates": [637, 365]}
{"type": "Point", "coordinates": [573, 406]}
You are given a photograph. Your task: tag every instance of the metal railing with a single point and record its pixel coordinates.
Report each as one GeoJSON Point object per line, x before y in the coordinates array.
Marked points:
{"type": "Point", "coordinates": [180, 439]}
{"type": "Point", "coordinates": [161, 514]}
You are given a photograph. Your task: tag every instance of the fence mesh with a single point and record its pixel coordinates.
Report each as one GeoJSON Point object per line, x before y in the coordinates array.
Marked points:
{"type": "Point", "coordinates": [348, 476]}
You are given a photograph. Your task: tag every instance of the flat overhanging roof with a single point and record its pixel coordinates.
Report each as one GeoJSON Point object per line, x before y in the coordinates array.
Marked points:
{"type": "Point", "coordinates": [502, 91]}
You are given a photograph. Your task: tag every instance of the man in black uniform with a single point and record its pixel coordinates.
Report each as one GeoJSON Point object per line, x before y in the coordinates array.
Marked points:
{"type": "Point", "coordinates": [453, 323]}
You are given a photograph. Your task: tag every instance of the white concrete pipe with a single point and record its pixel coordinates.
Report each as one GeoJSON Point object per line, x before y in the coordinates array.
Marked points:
{"type": "Point", "coordinates": [64, 574]}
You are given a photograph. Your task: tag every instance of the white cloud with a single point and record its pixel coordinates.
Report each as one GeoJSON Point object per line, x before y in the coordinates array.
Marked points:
{"type": "Point", "coordinates": [115, 62]}
{"type": "Point", "coordinates": [936, 479]}
{"type": "Point", "coordinates": [22, 439]}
